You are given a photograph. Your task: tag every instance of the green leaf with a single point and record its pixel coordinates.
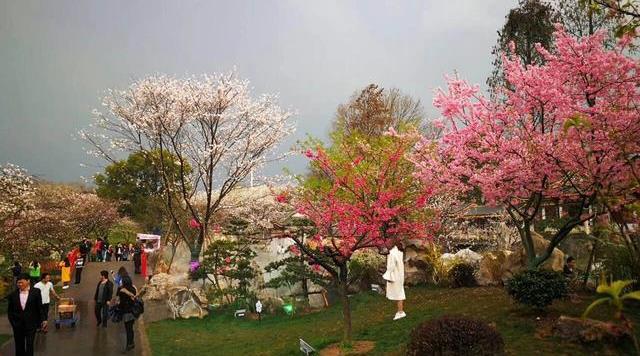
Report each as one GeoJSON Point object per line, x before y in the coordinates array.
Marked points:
{"type": "Point", "coordinates": [595, 304]}
{"type": "Point", "coordinates": [632, 295]}
{"type": "Point", "coordinates": [614, 289]}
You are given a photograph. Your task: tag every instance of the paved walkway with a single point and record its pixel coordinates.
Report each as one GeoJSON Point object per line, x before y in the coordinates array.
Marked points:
{"type": "Point", "coordinates": [86, 338]}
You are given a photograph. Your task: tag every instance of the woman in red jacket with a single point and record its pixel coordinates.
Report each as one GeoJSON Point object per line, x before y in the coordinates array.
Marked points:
{"type": "Point", "coordinates": [143, 263]}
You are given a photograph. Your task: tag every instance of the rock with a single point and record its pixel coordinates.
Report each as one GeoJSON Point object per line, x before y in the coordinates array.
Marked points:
{"type": "Point", "coordinates": [174, 292]}
{"type": "Point", "coordinates": [413, 275]}
{"type": "Point", "coordinates": [184, 303]}
{"type": "Point", "coordinates": [191, 309]}
{"type": "Point", "coordinates": [497, 267]}
{"type": "Point", "coordinates": [317, 301]}
{"type": "Point", "coordinates": [492, 268]}
{"type": "Point", "coordinates": [468, 256]}
{"type": "Point", "coordinates": [589, 330]}
{"type": "Point", "coordinates": [519, 258]}
{"type": "Point", "coordinates": [447, 257]}
{"type": "Point", "coordinates": [200, 297]}
{"type": "Point", "coordinates": [464, 256]}
{"type": "Point", "coordinates": [161, 267]}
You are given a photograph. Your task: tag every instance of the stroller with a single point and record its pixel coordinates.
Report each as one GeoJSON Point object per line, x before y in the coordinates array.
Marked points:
{"type": "Point", "coordinates": [66, 313]}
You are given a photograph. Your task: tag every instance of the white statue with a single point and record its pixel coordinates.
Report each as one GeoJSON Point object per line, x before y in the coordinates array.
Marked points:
{"type": "Point", "coordinates": [395, 278]}
{"type": "Point", "coordinates": [259, 309]}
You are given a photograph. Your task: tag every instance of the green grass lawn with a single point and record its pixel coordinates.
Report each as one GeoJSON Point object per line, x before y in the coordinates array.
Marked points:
{"type": "Point", "coordinates": [278, 335]}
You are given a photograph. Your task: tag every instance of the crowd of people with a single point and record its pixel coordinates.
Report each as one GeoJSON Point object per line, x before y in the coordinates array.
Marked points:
{"type": "Point", "coordinates": [28, 303]}
{"type": "Point", "coordinates": [102, 251]}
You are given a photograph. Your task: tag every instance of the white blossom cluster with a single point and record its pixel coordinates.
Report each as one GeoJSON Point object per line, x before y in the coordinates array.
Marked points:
{"type": "Point", "coordinates": [212, 127]}
{"type": "Point", "coordinates": [16, 190]}
{"type": "Point", "coordinates": [257, 207]}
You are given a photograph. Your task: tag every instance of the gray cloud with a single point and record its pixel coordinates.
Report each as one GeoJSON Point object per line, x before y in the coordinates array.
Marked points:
{"type": "Point", "coordinates": [58, 57]}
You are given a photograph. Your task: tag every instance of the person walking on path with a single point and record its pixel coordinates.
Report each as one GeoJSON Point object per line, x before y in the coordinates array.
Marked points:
{"type": "Point", "coordinates": [109, 253]}
{"type": "Point", "coordinates": [119, 252]}
{"type": "Point", "coordinates": [34, 272]}
{"type": "Point", "coordinates": [143, 263]}
{"type": "Point", "coordinates": [65, 272]}
{"type": "Point", "coordinates": [136, 259]}
{"type": "Point", "coordinates": [79, 266]}
{"type": "Point", "coordinates": [85, 248]}
{"type": "Point", "coordinates": [46, 289]}
{"type": "Point", "coordinates": [395, 278]}
{"type": "Point", "coordinates": [102, 297]}
{"type": "Point", "coordinates": [126, 297]}
{"type": "Point", "coordinates": [25, 315]}
{"type": "Point", "coordinates": [16, 271]}
{"type": "Point", "coordinates": [117, 278]}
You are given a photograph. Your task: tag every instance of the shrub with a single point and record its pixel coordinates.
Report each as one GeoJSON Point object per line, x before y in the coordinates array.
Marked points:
{"type": "Point", "coordinates": [435, 268]}
{"type": "Point", "coordinates": [537, 288]}
{"type": "Point", "coordinates": [365, 268]}
{"type": "Point", "coordinates": [462, 275]}
{"type": "Point", "coordinates": [455, 335]}
{"type": "Point", "coordinates": [617, 262]}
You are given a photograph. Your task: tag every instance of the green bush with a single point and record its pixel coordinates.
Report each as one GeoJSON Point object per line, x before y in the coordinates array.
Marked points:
{"type": "Point", "coordinates": [537, 288]}
{"type": "Point", "coordinates": [462, 275]}
{"type": "Point", "coordinates": [365, 268]}
{"type": "Point", "coordinates": [617, 263]}
{"type": "Point", "coordinates": [454, 335]}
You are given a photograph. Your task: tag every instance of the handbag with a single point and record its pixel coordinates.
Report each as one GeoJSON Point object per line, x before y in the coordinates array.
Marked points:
{"type": "Point", "coordinates": [137, 308]}
{"type": "Point", "coordinates": [115, 313]}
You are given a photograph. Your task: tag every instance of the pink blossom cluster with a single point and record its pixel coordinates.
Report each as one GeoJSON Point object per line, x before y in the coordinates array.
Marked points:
{"type": "Point", "coordinates": [372, 200]}
{"type": "Point", "coordinates": [567, 128]}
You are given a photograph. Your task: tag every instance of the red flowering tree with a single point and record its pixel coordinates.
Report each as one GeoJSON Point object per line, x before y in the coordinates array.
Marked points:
{"type": "Point", "coordinates": [568, 130]}
{"type": "Point", "coordinates": [361, 195]}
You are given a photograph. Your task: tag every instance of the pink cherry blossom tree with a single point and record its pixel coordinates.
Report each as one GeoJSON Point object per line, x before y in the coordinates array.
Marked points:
{"type": "Point", "coordinates": [361, 196]}
{"type": "Point", "coordinates": [217, 132]}
{"type": "Point", "coordinates": [567, 130]}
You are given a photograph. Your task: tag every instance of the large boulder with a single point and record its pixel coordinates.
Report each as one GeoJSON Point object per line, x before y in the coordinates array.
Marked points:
{"type": "Point", "coordinates": [589, 330]}
{"type": "Point", "coordinates": [172, 296]}
{"type": "Point", "coordinates": [462, 256]}
{"type": "Point", "coordinates": [493, 268]}
{"type": "Point", "coordinates": [499, 266]}
{"type": "Point", "coordinates": [185, 303]}
{"type": "Point", "coordinates": [416, 264]}
{"type": "Point", "coordinates": [540, 244]}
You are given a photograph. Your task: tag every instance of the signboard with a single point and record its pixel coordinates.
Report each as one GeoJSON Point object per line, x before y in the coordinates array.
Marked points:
{"type": "Point", "coordinates": [149, 242]}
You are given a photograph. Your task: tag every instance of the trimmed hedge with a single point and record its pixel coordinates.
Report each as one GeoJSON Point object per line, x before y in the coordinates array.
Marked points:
{"type": "Point", "coordinates": [537, 288]}
{"type": "Point", "coordinates": [455, 335]}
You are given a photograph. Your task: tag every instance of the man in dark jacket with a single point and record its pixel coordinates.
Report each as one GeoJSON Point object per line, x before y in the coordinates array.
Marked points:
{"type": "Point", "coordinates": [104, 293]}
{"type": "Point", "coordinates": [25, 315]}
{"type": "Point", "coordinates": [137, 259]}
{"type": "Point", "coordinates": [79, 266]}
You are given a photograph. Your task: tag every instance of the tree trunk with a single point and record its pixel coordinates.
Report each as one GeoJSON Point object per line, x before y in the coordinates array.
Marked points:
{"type": "Point", "coordinates": [527, 243]}
{"type": "Point", "coordinates": [346, 306]}
{"type": "Point", "coordinates": [305, 282]}
{"type": "Point", "coordinates": [174, 247]}
{"type": "Point", "coordinates": [589, 264]}
{"type": "Point", "coordinates": [196, 248]}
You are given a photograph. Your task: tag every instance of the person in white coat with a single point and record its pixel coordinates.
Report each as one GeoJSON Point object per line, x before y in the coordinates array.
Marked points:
{"type": "Point", "coordinates": [395, 278]}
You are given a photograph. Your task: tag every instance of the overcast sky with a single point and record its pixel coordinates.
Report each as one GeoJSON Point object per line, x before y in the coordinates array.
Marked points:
{"type": "Point", "coordinates": [58, 57]}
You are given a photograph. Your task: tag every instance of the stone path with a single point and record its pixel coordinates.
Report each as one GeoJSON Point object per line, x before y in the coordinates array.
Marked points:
{"type": "Point", "coordinates": [86, 338]}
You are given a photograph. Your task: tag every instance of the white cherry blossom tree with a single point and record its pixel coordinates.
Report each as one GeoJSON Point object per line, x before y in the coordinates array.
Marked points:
{"type": "Point", "coordinates": [216, 130]}
{"type": "Point", "coordinates": [16, 196]}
